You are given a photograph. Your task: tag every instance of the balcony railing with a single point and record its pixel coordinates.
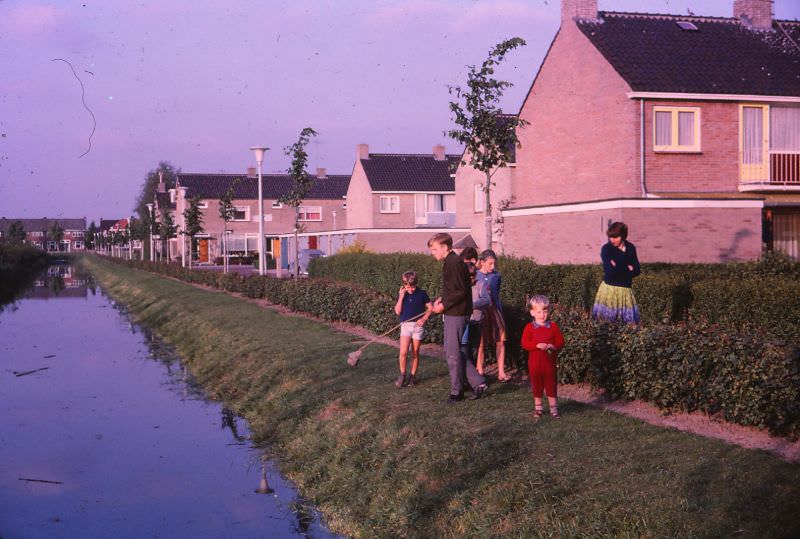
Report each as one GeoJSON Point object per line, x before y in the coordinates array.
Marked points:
{"type": "Point", "coordinates": [780, 172]}
{"type": "Point", "coordinates": [441, 219]}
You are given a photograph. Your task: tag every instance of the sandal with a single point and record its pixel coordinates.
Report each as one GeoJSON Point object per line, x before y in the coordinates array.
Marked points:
{"type": "Point", "coordinates": [537, 414]}
{"type": "Point", "coordinates": [554, 413]}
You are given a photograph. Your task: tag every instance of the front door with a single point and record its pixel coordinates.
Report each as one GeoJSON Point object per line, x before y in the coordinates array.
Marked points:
{"type": "Point", "coordinates": [202, 251]}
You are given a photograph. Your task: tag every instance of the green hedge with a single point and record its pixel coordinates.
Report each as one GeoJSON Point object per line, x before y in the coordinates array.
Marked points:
{"type": "Point", "coordinates": [19, 266]}
{"type": "Point", "coordinates": [739, 371]}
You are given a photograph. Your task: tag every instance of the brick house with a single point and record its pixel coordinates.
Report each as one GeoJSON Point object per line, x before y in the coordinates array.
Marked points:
{"type": "Point", "coordinates": [321, 214]}
{"type": "Point", "coordinates": [36, 232]}
{"type": "Point", "coordinates": [396, 202]}
{"type": "Point", "coordinates": [687, 128]}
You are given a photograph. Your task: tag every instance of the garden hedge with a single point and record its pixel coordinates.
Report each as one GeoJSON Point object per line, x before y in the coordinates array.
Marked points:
{"type": "Point", "coordinates": [727, 363]}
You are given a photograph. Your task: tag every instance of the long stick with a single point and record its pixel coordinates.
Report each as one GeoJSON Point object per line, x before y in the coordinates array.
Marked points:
{"type": "Point", "coordinates": [352, 357]}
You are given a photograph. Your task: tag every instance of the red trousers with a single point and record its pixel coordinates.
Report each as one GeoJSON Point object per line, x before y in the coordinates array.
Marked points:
{"type": "Point", "coordinates": [542, 370]}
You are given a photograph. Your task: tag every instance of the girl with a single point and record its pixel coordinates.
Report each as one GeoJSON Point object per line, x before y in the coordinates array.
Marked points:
{"type": "Point", "coordinates": [494, 327]}
{"type": "Point", "coordinates": [615, 300]}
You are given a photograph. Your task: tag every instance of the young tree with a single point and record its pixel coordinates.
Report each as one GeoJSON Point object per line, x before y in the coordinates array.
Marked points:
{"type": "Point", "coordinates": [226, 213]}
{"type": "Point", "coordinates": [487, 134]}
{"type": "Point", "coordinates": [302, 184]}
{"type": "Point", "coordinates": [16, 232]}
{"type": "Point", "coordinates": [91, 236]}
{"type": "Point", "coordinates": [193, 218]}
{"type": "Point", "coordinates": [167, 230]}
{"type": "Point", "coordinates": [55, 234]}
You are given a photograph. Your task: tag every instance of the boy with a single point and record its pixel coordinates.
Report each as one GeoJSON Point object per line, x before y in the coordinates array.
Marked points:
{"type": "Point", "coordinates": [455, 306]}
{"type": "Point", "coordinates": [543, 340]}
{"type": "Point", "coordinates": [414, 308]}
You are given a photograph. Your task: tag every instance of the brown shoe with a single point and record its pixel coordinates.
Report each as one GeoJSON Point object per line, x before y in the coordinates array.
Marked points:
{"type": "Point", "coordinates": [400, 382]}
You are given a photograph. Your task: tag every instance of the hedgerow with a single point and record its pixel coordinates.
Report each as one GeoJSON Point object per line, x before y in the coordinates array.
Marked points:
{"type": "Point", "coordinates": [706, 345]}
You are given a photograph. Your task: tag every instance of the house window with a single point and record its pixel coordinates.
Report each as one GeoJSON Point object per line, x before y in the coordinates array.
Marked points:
{"type": "Point", "coordinates": [77, 234]}
{"type": "Point", "coordinates": [79, 245]}
{"type": "Point", "coordinates": [277, 205]}
{"type": "Point", "coordinates": [390, 204]}
{"type": "Point", "coordinates": [436, 203]}
{"type": "Point", "coordinates": [241, 213]}
{"type": "Point", "coordinates": [769, 144]}
{"type": "Point", "coordinates": [676, 129]}
{"type": "Point", "coordinates": [479, 199]}
{"type": "Point", "coordinates": [202, 205]}
{"type": "Point", "coordinates": [37, 234]}
{"type": "Point", "coordinates": [309, 213]}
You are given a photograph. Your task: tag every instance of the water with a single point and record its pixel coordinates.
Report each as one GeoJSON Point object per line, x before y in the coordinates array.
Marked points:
{"type": "Point", "coordinates": [104, 435]}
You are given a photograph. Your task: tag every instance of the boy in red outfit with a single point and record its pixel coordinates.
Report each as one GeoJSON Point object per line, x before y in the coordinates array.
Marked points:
{"type": "Point", "coordinates": [543, 340]}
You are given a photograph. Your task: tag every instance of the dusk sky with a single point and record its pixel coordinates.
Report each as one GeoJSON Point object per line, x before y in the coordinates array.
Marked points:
{"type": "Point", "coordinates": [197, 82]}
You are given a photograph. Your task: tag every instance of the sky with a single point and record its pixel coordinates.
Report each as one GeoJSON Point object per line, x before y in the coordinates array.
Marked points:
{"type": "Point", "coordinates": [95, 93]}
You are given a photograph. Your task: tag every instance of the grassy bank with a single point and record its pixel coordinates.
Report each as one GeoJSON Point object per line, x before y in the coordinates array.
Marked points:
{"type": "Point", "coordinates": [382, 462]}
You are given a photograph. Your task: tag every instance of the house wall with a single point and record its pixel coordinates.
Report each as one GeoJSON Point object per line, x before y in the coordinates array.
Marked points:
{"type": "Point", "coordinates": [360, 207]}
{"type": "Point", "coordinates": [466, 216]}
{"type": "Point", "coordinates": [583, 139]}
{"type": "Point", "coordinates": [714, 169]}
{"type": "Point", "coordinates": [404, 219]}
{"type": "Point", "coordinates": [660, 235]}
{"type": "Point", "coordinates": [406, 240]}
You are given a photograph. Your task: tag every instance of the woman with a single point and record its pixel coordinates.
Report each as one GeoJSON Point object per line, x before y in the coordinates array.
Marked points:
{"type": "Point", "coordinates": [615, 300]}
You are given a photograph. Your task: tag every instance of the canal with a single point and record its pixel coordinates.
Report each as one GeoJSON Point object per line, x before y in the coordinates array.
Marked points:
{"type": "Point", "coordinates": [105, 435]}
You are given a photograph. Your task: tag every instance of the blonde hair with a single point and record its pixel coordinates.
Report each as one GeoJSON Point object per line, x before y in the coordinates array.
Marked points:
{"type": "Point", "coordinates": [539, 300]}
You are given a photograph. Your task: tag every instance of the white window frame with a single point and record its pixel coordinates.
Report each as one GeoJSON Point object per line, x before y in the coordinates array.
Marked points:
{"type": "Point", "coordinates": [478, 199]}
{"type": "Point", "coordinates": [245, 209]}
{"type": "Point", "coordinates": [389, 204]}
{"type": "Point", "coordinates": [203, 205]}
{"type": "Point", "coordinates": [303, 211]}
{"type": "Point", "coordinates": [277, 205]}
{"type": "Point", "coordinates": [78, 244]}
{"type": "Point", "coordinates": [674, 146]}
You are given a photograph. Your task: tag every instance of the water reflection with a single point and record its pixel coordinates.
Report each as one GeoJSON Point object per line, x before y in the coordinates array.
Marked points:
{"type": "Point", "coordinates": [106, 432]}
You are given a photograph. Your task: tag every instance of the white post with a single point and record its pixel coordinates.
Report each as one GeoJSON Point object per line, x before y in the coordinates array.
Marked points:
{"type": "Point", "coordinates": [262, 261]}
{"type": "Point", "coordinates": [150, 243]}
{"type": "Point", "coordinates": [130, 238]}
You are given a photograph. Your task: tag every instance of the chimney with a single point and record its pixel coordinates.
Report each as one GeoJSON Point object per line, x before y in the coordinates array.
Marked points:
{"type": "Point", "coordinates": [162, 188]}
{"type": "Point", "coordinates": [320, 172]}
{"type": "Point", "coordinates": [362, 151]}
{"type": "Point", "coordinates": [578, 9]}
{"type": "Point", "coordinates": [251, 172]}
{"type": "Point", "coordinates": [438, 152]}
{"type": "Point", "coordinates": [755, 14]}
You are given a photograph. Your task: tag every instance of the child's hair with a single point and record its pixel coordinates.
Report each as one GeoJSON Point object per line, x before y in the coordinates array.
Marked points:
{"type": "Point", "coordinates": [442, 238]}
{"type": "Point", "coordinates": [410, 278]}
{"type": "Point", "coordinates": [618, 229]}
{"type": "Point", "coordinates": [488, 253]}
{"type": "Point", "coordinates": [469, 253]}
{"type": "Point", "coordinates": [539, 300]}
{"type": "Point", "coordinates": [472, 276]}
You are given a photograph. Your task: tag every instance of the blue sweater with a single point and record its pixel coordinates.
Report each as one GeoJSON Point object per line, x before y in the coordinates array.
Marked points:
{"type": "Point", "coordinates": [619, 275]}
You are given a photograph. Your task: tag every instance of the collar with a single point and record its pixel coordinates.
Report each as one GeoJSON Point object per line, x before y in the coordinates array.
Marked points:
{"type": "Point", "coordinates": [545, 325]}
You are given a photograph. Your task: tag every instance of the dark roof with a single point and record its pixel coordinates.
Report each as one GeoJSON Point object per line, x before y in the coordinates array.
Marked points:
{"type": "Point", "coordinates": [410, 172]}
{"type": "Point", "coordinates": [43, 225]}
{"type": "Point", "coordinates": [106, 224]}
{"type": "Point", "coordinates": [274, 186]}
{"type": "Point", "coordinates": [653, 54]}
{"type": "Point", "coordinates": [163, 202]}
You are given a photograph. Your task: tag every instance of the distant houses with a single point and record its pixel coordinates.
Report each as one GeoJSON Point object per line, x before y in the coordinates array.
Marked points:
{"type": "Point", "coordinates": [52, 235]}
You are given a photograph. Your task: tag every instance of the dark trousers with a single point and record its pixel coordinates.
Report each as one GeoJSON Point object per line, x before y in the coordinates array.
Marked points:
{"type": "Point", "coordinates": [461, 370]}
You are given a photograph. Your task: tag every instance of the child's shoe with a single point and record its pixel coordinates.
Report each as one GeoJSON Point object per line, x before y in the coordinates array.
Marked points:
{"type": "Point", "coordinates": [554, 413]}
{"type": "Point", "coordinates": [411, 380]}
{"type": "Point", "coordinates": [401, 381]}
{"type": "Point", "coordinates": [538, 413]}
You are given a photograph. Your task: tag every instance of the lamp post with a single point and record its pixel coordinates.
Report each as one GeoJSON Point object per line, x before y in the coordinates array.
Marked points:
{"type": "Point", "coordinates": [262, 262]}
{"type": "Point", "coordinates": [130, 238]}
{"type": "Point", "coordinates": [150, 230]}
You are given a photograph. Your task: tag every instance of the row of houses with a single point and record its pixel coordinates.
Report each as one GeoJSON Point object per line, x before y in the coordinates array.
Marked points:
{"type": "Point", "coordinates": [687, 128]}
{"type": "Point", "coordinates": [39, 233]}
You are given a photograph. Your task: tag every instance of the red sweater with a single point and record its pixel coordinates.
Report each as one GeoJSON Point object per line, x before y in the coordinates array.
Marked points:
{"type": "Point", "coordinates": [533, 335]}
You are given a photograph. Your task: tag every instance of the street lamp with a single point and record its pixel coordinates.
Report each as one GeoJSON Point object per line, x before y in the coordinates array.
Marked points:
{"type": "Point", "coordinates": [150, 211]}
{"type": "Point", "coordinates": [130, 238]}
{"type": "Point", "coordinates": [262, 262]}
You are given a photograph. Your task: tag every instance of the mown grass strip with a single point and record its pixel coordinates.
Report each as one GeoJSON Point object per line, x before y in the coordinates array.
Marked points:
{"type": "Point", "coordinates": [379, 462]}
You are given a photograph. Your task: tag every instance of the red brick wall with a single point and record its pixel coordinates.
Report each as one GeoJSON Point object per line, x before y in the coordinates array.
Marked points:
{"type": "Point", "coordinates": [714, 169]}
{"type": "Point", "coordinates": [583, 139]}
{"type": "Point", "coordinates": [660, 235]}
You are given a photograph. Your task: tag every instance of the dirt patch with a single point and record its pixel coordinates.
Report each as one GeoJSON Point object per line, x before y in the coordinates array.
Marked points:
{"type": "Point", "coordinates": [695, 423]}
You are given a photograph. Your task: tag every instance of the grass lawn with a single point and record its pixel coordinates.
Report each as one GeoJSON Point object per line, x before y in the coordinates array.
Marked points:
{"type": "Point", "coordinates": [379, 462]}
